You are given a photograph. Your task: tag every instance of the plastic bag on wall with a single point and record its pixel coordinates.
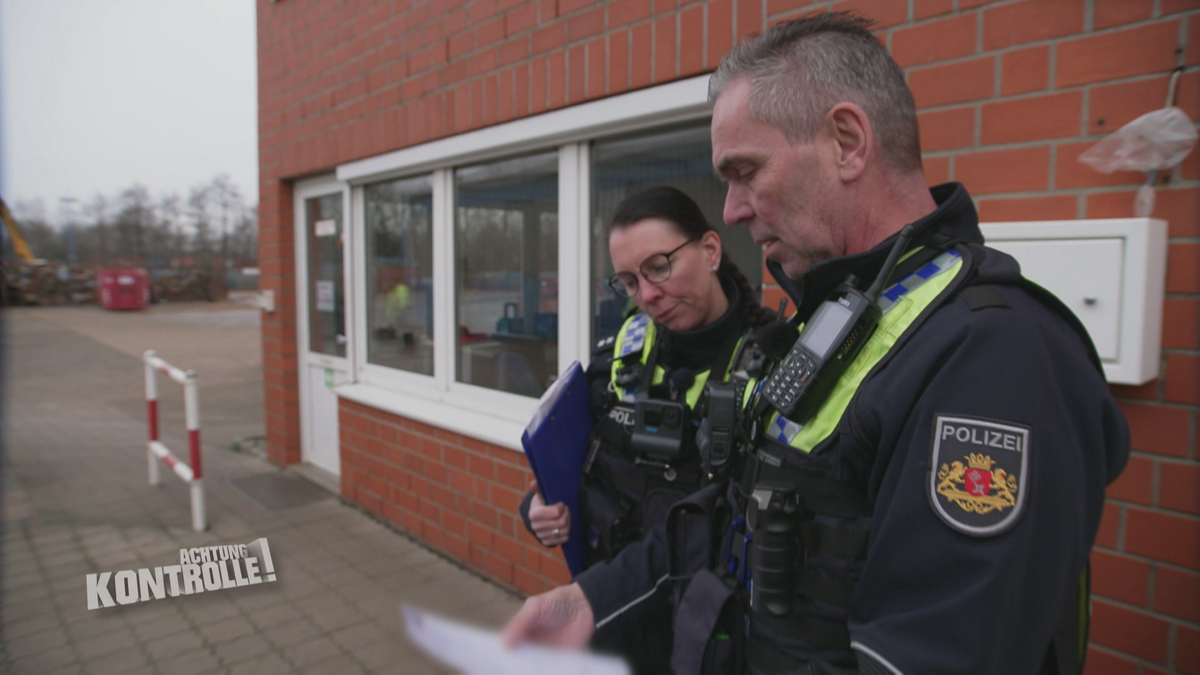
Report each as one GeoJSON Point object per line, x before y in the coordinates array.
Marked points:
{"type": "Point", "coordinates": [1153, 142]}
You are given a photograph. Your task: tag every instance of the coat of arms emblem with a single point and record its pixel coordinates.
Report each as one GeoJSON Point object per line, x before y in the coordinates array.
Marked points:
{"type": "Point", "coordinates": [975, 486]}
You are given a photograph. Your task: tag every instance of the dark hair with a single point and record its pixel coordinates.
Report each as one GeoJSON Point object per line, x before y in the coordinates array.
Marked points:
{"type": "Point", "coordinates": [674, 206]}
{"type": "Point", "coordinates": [799, 69]}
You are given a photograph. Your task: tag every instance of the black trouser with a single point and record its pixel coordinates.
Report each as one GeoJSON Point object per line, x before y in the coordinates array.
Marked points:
{"type": "Point", "coordinates": [641, 635]}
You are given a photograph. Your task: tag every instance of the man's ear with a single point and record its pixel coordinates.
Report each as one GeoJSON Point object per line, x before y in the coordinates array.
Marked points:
{"type": "Point", "coordinates": [853, 137]}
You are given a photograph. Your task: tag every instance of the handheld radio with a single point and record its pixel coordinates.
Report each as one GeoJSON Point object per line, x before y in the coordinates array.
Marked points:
{"type": "Point", "coordinates": [829, 342]}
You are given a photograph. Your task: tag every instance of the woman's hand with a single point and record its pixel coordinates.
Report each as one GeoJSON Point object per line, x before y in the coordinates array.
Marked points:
{"type": "Point", "coordinates": [551, 524]}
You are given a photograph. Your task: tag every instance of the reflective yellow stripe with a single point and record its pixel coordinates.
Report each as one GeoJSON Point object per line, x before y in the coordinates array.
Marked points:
{"type": "Point", "coordinates": [891, 327]}
{"type": "Point", "coordinates": [651, 334]}
{"type": "Point", "coordinates": [693, 393]}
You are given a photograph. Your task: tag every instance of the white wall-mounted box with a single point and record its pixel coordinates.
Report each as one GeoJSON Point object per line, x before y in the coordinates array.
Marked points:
{"type": "Point", "coordinates": [1110, 272]}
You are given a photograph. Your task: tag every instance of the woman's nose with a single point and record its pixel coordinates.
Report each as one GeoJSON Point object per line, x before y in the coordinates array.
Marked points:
{"type": "Point", "coordinates": [648, 292]}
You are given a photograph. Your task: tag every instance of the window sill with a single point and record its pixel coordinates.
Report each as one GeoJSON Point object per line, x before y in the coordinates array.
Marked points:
{"type": "Point", "coordinates": [488, 428]}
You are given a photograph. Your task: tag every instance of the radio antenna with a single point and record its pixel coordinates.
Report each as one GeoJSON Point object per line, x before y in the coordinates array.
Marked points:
{"type": "Point", "coordinates": [890, 264]}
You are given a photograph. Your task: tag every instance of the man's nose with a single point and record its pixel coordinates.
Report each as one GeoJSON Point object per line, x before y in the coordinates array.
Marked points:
{"type": "Point", "coordinates": [737, 209]}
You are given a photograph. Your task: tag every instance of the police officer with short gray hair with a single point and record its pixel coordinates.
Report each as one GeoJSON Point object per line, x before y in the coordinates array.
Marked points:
{"type": "Point", "coordinates": [924, 446]}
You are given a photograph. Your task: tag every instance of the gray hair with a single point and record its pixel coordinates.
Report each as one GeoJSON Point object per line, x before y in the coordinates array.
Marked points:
{"type": "Point", "coordinates": [800, 69]}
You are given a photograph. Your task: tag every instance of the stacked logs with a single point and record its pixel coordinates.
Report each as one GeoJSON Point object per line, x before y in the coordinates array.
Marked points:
{"type": "Point", "coordinates": [182, 285]}
{"type": "Point", "coordinates": [40, 282]}
{"type": "Point", "coordinates": [50, 283]}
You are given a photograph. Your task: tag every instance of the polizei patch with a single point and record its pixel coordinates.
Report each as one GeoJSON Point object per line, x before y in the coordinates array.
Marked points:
{"type": "Point", "coordinates": [978, 470]}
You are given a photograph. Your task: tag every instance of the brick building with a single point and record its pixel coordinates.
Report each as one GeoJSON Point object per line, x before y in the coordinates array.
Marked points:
{"type": "Point", "coordinates": [434, 178]}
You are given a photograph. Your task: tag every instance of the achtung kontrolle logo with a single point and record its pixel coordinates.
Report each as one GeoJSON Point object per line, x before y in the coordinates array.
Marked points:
{"type": "Point", "coordinates": [209, 568]}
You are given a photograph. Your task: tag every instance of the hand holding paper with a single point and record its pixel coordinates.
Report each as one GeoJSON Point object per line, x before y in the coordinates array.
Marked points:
{"type": "Point", "coordinates": [561, 618]}
{"type": "Point", "coordinates": [480, 652]}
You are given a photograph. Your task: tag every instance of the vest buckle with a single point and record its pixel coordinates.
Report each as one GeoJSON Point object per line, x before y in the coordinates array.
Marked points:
{"type": "Point", "coordinates": [629, 376]}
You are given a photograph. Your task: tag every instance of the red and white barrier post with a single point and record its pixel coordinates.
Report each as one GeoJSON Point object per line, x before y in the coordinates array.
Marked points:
{"type": "Point", "coordinates": [190, 472]}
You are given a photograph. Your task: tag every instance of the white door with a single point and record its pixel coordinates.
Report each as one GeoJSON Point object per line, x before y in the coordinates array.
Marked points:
{"type": "Point", "coordinates": [323, 303]}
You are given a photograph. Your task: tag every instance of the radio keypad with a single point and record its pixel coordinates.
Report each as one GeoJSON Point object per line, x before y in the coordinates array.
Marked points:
{"type": "Point", "coordinates": [784, 387]}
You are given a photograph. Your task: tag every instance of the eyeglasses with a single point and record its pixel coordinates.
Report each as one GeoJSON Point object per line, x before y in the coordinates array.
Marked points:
{"type": "Point", "coordinates": [656, 269]}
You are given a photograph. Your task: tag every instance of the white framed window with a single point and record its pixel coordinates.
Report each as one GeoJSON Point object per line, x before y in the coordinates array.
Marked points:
{"type": "Point", "coordinates": [398, 293]}
{"type": "Point", "coordinates": [477, 256]}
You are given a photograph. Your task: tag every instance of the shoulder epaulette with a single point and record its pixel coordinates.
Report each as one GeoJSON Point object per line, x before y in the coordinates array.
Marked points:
{"type": "Point", "coordinates": [982, 297]}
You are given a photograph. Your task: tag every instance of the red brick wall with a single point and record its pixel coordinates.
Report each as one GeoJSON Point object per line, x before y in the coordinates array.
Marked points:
{"type": "Point", "coordinates": [456, 493]}
{"type": "Point", "coordinates": [276, 260]}
{"type": "Point", "coordinates": [1009, 93]}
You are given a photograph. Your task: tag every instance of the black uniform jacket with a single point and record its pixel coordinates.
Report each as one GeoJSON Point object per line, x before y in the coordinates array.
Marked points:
{"type": "Point", "coordinates": [944, 589]}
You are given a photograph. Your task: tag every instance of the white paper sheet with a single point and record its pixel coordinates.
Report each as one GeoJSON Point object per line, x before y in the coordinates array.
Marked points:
{"type": "Point", "coordinates": [475, 651]}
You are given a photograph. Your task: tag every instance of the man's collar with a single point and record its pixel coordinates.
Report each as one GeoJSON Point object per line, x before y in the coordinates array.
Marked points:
{"type": "Point", "coordinates": [955, 217]}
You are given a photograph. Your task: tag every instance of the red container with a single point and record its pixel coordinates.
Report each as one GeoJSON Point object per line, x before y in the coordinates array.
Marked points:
{"type": "Point", "coordinates": [123, 288]}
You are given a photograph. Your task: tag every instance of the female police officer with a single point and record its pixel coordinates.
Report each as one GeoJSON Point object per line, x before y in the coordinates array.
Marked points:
{"type": "Point", "coordinates": [695, 309]}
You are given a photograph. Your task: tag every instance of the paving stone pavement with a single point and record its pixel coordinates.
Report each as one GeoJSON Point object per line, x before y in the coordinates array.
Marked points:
{"type": "Point", "coordinates": [76, 501]}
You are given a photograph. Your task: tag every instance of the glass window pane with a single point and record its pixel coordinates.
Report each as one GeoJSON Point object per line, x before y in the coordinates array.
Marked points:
{"type": "Point", "coordinates": [681, 158]}
{"type": "Point", "coordinates": [399, 219]}
{"type": "Point", "coordinates": [506, 273]}
{"type": "Point", "coordinates": [326, 291]}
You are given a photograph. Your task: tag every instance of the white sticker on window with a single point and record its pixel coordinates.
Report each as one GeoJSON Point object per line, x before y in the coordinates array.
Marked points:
{"type": "Point", "coordinates": [325, 228]}
{"type": "Point", "coordinates": [325, 296]}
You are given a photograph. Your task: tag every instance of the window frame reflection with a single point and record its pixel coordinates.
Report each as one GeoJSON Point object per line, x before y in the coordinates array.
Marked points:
{"type": "Point", "coordinates": [400, 333]}
{"type": "Point", "coordinates": [506, 250]}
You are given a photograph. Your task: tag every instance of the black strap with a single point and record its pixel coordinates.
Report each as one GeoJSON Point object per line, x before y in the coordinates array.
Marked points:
{"type": "Point", "coordinates": [982, 297]}
{"type": "Point", "coordinates": [820, 585]}
{"type": "Point", "coordinates": [842, 541]}
{"type": "Point", "coordinates": [819, 494]}
{"type": "Point", "coordinates": [697, 618]}
{"type": "Point", "coordinates": [725, 359]}
{"type": "Point", "coordinates": [643, 388]}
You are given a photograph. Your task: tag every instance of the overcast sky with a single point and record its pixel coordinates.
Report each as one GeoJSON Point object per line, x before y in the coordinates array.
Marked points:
{"type": "Point", "coordinates": [96, 95]}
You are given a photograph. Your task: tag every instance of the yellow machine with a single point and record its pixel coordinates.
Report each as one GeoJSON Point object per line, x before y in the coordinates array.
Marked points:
{"type": "Point", "coordinates": [19, 245]}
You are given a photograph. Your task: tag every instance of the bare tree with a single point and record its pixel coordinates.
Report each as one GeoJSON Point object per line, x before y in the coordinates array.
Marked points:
{"type": "Point", "coordinates": [134, 229]}
{"type": "Point", "coordinates": [134, 219]}
{"type": "Point", "coordinates": [170, 215]}
{"type": "Point", "coordinates": [227, 199]}
{"type": "Point", "coordinates": [97, 211]}
{"type": "Point", "coordinates": [200, 211]}
{"type": "Point", "coordinates": [244, 240]}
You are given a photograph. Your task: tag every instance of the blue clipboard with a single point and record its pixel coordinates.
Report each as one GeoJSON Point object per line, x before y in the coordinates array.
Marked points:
{"type": "Point", "coordinates": [555, 443]}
